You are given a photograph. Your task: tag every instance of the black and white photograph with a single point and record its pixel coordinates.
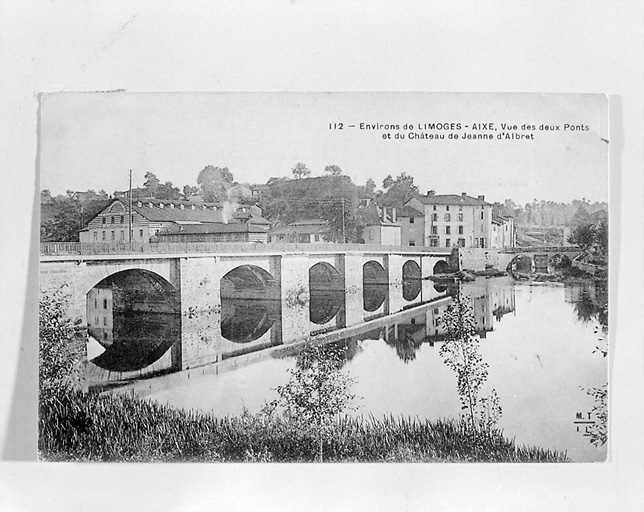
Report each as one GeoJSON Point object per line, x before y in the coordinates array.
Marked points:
{"type": "Point", "coordinates": [314, 256]}
{"type": "Point", "coordinates": [323, 277]}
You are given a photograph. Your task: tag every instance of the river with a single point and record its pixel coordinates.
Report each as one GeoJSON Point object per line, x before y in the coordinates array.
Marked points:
{"type": "Point", "coordinates": [542, 343]}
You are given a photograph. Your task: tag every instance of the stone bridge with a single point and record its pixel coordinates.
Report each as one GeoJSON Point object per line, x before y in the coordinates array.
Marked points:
{"type": "Point", "coordinates": [194, 280]}
{"type": "Point", "coordinates": [538, 259]}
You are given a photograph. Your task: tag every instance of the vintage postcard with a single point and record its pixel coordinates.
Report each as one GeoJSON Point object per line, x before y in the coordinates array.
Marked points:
{"type": "Point", "coordinates": [324, 277]}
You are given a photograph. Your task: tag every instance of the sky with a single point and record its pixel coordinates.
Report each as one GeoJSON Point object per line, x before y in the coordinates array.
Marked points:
{"type": "Point", "coordinates": [92, 140]}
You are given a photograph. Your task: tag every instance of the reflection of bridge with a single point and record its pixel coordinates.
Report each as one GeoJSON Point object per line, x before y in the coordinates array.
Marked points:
{"type": "Point", "coordinates": [197, 277]}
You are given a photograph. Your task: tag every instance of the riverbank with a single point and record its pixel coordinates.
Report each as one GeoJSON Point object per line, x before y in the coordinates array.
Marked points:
{"type": "Point", "coordinates": [90, 427]}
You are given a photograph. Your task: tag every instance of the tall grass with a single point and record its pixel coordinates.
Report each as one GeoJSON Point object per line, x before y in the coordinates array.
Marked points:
{"type": "Point", "coordinates": [116, 428]}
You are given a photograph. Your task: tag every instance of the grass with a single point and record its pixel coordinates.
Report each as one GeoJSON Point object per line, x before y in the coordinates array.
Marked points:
{"type": "Point", "coordinates": [89, 427]}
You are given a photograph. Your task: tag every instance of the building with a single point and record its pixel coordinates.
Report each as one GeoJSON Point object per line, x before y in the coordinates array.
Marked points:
{"type": "Point", "coordinates": [503, 232]}
{"type": "Point", "coordinates": [308, 231]}
{"type": "Point", "coordinates": [412, 222]}
{"type": "Point", "coordinates": [452, 220]}
{"type": "Point", "coordinates": [380, 226]}
{"type": "Point", "coordinates": [232, 232]}
{"type": "Point", "coordinates": [151, 216]}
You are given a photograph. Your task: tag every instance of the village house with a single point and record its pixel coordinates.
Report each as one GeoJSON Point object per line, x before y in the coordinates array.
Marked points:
{"type": "Point", "coordinates": [412, 223]}
{"type": "Point", "coordinates": [380, 226]}
{"type": "Point", "coordinates": [454, 220]}
{"type": "Point", "coordinates": [307, 231]}
{"type": "Point", "coordinates": [151, 216]}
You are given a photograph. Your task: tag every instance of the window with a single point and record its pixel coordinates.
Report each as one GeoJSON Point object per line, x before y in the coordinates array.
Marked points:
{"type": "Point", "coordinates": [370, 235]}
{"type": "Point", "coordinates": [461, 242]}
{"type": "Point", "coordinates": [412, 243]}
{"type": "Point", "coordinates": [140, 233]}
{"type": "Point", "coordinates": [447, 208]}
{"type": "Point", "coordinates": [460, 230]}
{"type": "Point", "coordinates": [434, 216]}
{"type": "Point", "coordinates": [448, 230]}
{"type": "Point", "coordinates": [447, 217]}
{"type": "Point", "coordinates": [433, 242]}
{"type": "Point", "coordinates": [448, 243]}
{"type": "Point", "coordinates": [317, 238]}
{"type": "Point", "coordinates": [460, 217]}
{"type": "Point", "coordinates": [434, 208]}
{"type": "Point", "coordinates": [460, 208]}
{"type": "Point", "coordinates": [104, 320]}
{"type": "Point", "coordinates": [95, 235]}
{"type": "Point", "coordinates": [95, 303]}
{"type": "Point", "coordinates": [104, 220]}
{"type": "Point", "coordinates": [434, 230]}
{"type": "Point", "coordinates": [122, 219]}
{"type": "Point", "coordinates": [122, 235]}
{"type": "Point", "coordinates": [112, 236]}
{"type": "Point", "coordinates": [103, 235]}
{"type": "Point", "coordinates": [411, 220]}
{"type": "Point", "coordinates": [104, 303]}
{"type": "Point", "coordinates": [481, 215]}
{"type": "Point", "coordinates": [112, 219]}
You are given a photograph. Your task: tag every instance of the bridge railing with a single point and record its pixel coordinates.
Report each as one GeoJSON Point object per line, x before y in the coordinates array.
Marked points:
{"type": "Point", "coordinates": [539, 248]}
{"type": "Point", "coordinates": [107, 248]}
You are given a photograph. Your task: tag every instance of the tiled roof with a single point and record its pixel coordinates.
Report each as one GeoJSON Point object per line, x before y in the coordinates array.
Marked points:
{"type": "Point", "coordinates": [452, 199]}
{"type": "Point", "coordinates": [202, 212]}
{"type": "Point", "coordinates": [211, 228]}
{"type": "Point", "coordinates": [307, 226]}
{"type": "Point", "coordinates": [409, 211]}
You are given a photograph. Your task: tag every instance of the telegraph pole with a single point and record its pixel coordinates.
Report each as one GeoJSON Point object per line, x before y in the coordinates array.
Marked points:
{"type": "Point", "coordinates": [129, 217]}
{"type": "Point", "coordinates": [344, 232]}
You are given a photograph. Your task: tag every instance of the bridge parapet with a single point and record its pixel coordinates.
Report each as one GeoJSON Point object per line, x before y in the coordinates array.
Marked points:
{"type": "Point", "coordinates": [540, 249]}
{"type": "Point", "coordinates": [101, 248]}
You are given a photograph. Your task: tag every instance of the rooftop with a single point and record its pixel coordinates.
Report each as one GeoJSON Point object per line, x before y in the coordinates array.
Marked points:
{"type": "Point", "coordinates": [453, 199]}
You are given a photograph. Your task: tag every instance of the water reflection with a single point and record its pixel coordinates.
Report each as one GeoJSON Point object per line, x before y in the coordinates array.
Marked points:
{"type": "Point", "coordinates": [375, 286]}
{"type": "Point", "coordinates": [135, 316]}
{"type": "Point", "coordinates": [412, 277]}
{"type": "Point", "coordinates": [243, 321]}
{"type": "Point", "coordinates": [538, 353]}
{"type": "Point", "coordinates": [327, 293]}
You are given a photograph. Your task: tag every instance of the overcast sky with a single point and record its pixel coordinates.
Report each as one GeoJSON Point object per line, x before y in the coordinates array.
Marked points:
{"type": "Point", "coordinates": [91, 140]}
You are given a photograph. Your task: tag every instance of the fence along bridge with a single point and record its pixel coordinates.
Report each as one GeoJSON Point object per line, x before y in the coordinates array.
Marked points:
{"type": "Point", "coordinates": [193, 280]}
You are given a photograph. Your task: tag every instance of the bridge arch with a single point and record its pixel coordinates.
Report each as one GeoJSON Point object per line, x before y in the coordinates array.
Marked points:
{"type": "Point", "coordinates": [412, 280]}
{"type": "Point", "coordinates": [441, 267]}
{"type": "Point", "coordinates": [135, 315]}
{"type": "Point", "coordinates": [375, 285]}
{"type": "Point", "coordinates": [326, 289]}
{"type": "Point", "coordinates": [559, 261]}
{"type": "Point", "coordinates": [521, 264]}
{"type": "Point", "coordinates": [249, 282]}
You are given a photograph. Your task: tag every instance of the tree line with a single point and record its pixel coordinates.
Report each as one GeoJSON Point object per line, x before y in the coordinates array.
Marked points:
{"type": "Point", "coordinates": [332, 197]}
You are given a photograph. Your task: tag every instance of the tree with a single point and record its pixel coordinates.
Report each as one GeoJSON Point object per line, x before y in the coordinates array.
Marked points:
{"type": "Point", "coordinates": [300, 171]}
{"type": "Point", "coordinates": [583, 236]}
{"type": "Point", "coordinates": [59, 366]}
{"type": "Point", "coordinates": [214, 183]}
{"type": "Point", "coordinates": [333, 170]}
{"type": "Point", "coordinates": [370, 187]}
{"type": "Point", "coordinates": [460, 353]}
{"type": "Point", "coordinates": [317, 391]}
{"type": "Point", "coordinates": [398, 191]}
{"type": "Point", "coordinates": [65, 224]}
{"type": "Point", "coordinates": [151, 184]}
{"type": "Point", "coordinates": [189, 191]}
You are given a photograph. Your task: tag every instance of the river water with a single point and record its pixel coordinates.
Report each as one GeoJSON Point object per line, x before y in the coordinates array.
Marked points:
{"type": "Point", "coordinates": [540, 340]}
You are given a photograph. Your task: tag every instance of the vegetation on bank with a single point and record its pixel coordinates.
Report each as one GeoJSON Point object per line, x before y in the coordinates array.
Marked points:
{"type": "Point", "coordinates": [90, 427]}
